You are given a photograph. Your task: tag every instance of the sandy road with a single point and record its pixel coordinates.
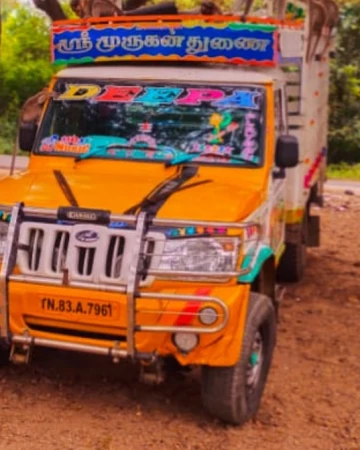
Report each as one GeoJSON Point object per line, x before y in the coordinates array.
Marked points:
{"type": "Point", "coordinates": [312, 400]}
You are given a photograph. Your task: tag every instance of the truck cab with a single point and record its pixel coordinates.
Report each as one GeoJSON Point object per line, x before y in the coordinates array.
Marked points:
{"type": "Point", "coordinates": [152, 219]}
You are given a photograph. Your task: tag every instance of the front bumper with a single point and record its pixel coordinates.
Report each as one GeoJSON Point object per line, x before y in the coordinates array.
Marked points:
{"type": "Point", "coordinates": [158, 316]}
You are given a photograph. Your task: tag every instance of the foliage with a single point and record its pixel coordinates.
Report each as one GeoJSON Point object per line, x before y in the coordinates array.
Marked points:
{"type": "Point", "coordinates": [24, 65]}
{"type": "Point", "coordinates": [344, 134]}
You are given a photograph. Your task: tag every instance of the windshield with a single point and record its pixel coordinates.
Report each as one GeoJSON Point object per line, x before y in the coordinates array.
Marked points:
{"type": "Point", "coordinates": [155, 122]}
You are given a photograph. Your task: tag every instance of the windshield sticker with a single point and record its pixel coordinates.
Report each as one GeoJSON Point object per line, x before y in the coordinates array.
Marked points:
{"type": "Point", "coordinates": [222, 124]}
{"type": "Point", "coordinates": [64, 144]}
{"type": "Point", "coordinates": [240, 98]}
{"type": "Point", "coordinates": [220, 121]}
{"type": "Point", "coordinates": [118, 93]}
{"type": "Point", "coordinates": [250, 144]}
{"type": "Point", "coordinates": [212, 149]}
{"type": "Point", "coordinates": [197, 96]}
{"type": "Point", "coordinates": [143, 139]}
{"type": "Point", "coordinates": [146, 127]}
{"type": "Point", "coordinates": [80, 92]}
{"type": "Point", "coordinates": [156, 95]}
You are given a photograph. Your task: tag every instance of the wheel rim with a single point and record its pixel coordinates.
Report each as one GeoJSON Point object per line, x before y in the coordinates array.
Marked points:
{"type": "Point", "coordinates": [255, 363]}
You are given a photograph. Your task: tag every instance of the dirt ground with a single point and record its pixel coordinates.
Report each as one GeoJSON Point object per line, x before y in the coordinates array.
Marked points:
{"type": "Point", "coordinates": [312, 401]}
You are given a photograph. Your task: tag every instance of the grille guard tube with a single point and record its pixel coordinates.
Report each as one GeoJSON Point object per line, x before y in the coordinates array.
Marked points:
{"type": "Point", "coordinates": [187, 329]}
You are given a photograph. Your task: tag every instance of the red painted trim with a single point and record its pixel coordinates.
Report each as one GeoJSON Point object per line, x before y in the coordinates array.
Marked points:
{"type": "Point", "coordinates": [187, 315]}
{"type": "Point", "coordinates": [311, 172]}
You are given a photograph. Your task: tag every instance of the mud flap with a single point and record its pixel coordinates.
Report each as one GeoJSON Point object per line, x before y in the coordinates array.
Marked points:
{"type": "Point", "coordinates": [313, 231]}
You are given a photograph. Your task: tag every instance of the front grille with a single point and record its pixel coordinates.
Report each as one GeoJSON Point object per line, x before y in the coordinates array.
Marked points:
{"type": "Point", "coordinates": [36, 238]}
{"type": "Point", "coordinates": [87, 253]}
{"type": "Point", "coordinates": [60, 250]}
{"type": "Point", "coordinates": [114, 256]}
{"type": "Point", "coordinates": [149, 252]}
{"type": "Point", "coordinates": [85, 259]}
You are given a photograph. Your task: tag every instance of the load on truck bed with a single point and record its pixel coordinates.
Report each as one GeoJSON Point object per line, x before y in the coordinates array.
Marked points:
{"type": "Point", "coordinates": [169, 189]}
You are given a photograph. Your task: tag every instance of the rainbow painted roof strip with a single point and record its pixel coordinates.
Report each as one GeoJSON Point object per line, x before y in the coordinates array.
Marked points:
{"type": "Point", "coordinates": [220, 41]}
{"type": "Point", "coordinates": [183, 231]}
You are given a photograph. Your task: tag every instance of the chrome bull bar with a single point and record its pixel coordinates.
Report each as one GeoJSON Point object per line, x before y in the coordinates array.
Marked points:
{"type": "Point", "coordinates": [19, 213]}
{"type": "Point", "coordinates": [185, 298]}
{"type": "Point", "coordinates": [114, 352]}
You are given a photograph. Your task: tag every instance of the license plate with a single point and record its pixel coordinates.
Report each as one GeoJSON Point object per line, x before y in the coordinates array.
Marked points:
{"type": "Point", "coordinates": [79, 308]}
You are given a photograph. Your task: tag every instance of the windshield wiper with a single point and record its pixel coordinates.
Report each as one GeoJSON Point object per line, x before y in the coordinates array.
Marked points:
{"type": "Point", "coordinates": [90, 153]}
{"type": "Point", "coordinates": [190, 156]}
{"type": "Point", "coordinates": [65, 187]}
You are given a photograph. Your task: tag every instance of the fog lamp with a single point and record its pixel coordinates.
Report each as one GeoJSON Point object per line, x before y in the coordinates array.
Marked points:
{"type": "Point", "coordinates": [185, 342]}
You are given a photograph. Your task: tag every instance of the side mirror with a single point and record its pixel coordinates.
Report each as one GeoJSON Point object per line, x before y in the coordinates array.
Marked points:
{"type": "Point", "coordinates": [27, 133]}
{"type": "Point", "coordinates": [287, 152]}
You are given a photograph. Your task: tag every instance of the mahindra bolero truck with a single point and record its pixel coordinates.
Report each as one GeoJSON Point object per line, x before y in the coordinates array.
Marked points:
{"type": "Point", "coordinates": [169, 190]}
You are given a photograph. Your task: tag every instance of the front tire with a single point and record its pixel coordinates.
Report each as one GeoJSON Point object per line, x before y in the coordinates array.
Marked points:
{"type": "Point", "coordinates": [233, 394]}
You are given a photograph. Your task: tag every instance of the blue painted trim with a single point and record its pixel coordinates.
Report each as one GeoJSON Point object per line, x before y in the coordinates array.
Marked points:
{"type": "Point", "coordinates": [264, 254]}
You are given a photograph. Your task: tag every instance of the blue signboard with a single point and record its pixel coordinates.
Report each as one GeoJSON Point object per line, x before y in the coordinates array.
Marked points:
{"type": "Point", "coordinates": [228, 42]}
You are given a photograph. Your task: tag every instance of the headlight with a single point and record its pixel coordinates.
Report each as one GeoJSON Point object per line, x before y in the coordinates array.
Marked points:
{"type": "Point", "coordinates": [4, 227]}
{"type": "Point", "coordinates": [200, 255]}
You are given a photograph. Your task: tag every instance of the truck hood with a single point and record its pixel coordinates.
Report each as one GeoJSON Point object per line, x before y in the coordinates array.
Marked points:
{"type": "Point", "coordinates": [196, 197]}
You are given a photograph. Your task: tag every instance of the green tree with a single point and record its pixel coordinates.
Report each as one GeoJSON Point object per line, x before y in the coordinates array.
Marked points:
{"type": "Point", "coordinates": [25, 66]}
{"type": "Point", "coordinates": [344, 134]}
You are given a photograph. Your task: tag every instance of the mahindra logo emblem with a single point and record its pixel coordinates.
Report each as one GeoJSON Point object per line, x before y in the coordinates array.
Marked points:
{"type": "Point", "coordinates": [87, 236]}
